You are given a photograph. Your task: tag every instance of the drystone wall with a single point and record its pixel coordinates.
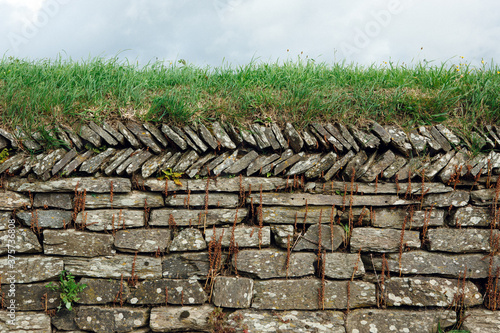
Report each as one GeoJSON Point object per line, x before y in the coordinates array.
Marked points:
{"type": "Point", "coordinates": [265, 229]}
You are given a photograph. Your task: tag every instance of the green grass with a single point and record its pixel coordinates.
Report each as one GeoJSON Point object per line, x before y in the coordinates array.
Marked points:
{"type": "Point", "coordinates": [38, 94]}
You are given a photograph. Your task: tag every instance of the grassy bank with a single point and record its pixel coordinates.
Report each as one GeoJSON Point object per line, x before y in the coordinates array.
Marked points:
{"type": "Point", "coordinates": [47, 92]}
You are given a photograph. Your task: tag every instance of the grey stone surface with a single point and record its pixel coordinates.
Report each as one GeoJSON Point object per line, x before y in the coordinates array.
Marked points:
{"type": "Point", "coordinates": [429, 291]}
{"type": "Point", "coordinates": [303, 294]}
{"type": "Point", "coordinates": [237, 184]}
{"type": "Point", "coordinates": [483, 197]}
{"type": "Point", "coordinates": [455, 199]}
{"type": "Point", "coordinates": [361, 170]}
{"type": "Point", "coordinates": [279, 136]}
{"type": "Point", "coordinates": [282, 235]}
{"type": "Point", "coordinates": [418, 142]}
{"type": "Point", "coordinates": [102, 291]}
{"type": "Point", "coordinates": [338, 165]}
{"type": "Point", "coordinates": [117, 135]}
{"type": "Point", "coordinates": [441, 140]}
{"type": "Point", "coordinates": [133, 199]}
{"type": "Point", "coordinates": [110, 219]}
{"type": "Point", "coordinates": [9, 137]}
{"type": "Point", "coordinates": [271, 138]}
{"type": "Point", "coordinates": [242, 163]}
{"type": "Point", "coordinates": [113, 267]}
{"type": "Point", "coordinates": [195, 138]}
{"type": "Point", "coordinates": [219, 200]}
{"type": "Point", "coordinates": [68, 157]}
{"type": "Point", "coordinates": [144, 136]}
{"type": "Point", "coordinates": [394, 218]}
{"type": "Point", "coordinates": [378, 167]}
{"type": "Point", "coordinates": [189, 239]}
{"type": "Point", "coordinates": [88, 134]}
{"type": "Point", "coordinates": [172, 135]}
{"type": "Point", "coordinates": [91, 184]}
{"type": "Point", "coordinates": [347, 135]}
{"type": "Point", "coordinates": [459, 240]}
{"type": "Point", "coordinates": [471, 216]}
{"type": "Point", "coordinates": [152, 165]}
{"type": "Point", "coordinates": [455, 166]}
{"type": "Point", "coordinates": [180, 319]}
{"type": "Point", "coordinates": [233, 133]}
{"type": "Point", "coordinates": [119, 319]}
{"type": "Point", "coordinates": [299, 215]}
{"type": "Point", "coordinates": [197, 166]}
{"type": "Point", "coordinates": [32, 322]}
{"type": "Point", "coordinates": [409, 169]}
{"type": "Point", "coordinates": [92, 165]}
{"type": "Point", "coordinates": [194, 265]}
{"type": "Point", "coordinates": [31, 269]}
{"type": "Point", "coordinates": [172, 161]}
{"type": "Point", "coordinates": [75, 139]}
{"type": "Point", "coordinates": [222, 136]}
{"type": "Point", "coordinates": [46, 163]}
{"type": "Point", "coordinates": [179, 292]}
{"type": "Point", "coordinates": [142, 240]}
{"type": "Point", "coordinates": [103, 134]}
{"type": "Point", "coordinates": [326, 135]}
{"type": "Point", "coordinates": [244, 236]}
{"type": "Point", "coordinates": [285, 156]}
{"type": "Point", "coordinates": [432, 144]}
{"type": "Point", "coordinates": [138, 161]}
{"type": "Point", "coordinates": [399, 140]}
{"type": "Point", "coordinates": [186, 217]}
{"type": "Point", "coordinates": [12, 162]}
{"type": "Point", "coordinates": [12, 200]}
{"type": "Point", "coordinates": [232, 292]}
{"type": "Point", "coordinates": [260, 136]}
{"type": "Point", "coordinates": [437, 166]}
{"type": "Point", "coordinates": [281, 166]}
{"type": "Point", "coordinates": [208, 137]}
{"type": "Point", "coordinates": [382, 240]}
{"type": "Point", "coordinates": [24, 241]}
{"type": "Point", "coordinates": [75, 163]}
{"type": "Point", "coordinates": [261, 162]}
{"type": "Point", "coordinates": [271, 263]}
{"type": "Point", "coordinates": [309, 139]}
{"type": "Point", "coordinates": [337, 135]}
{"type": "Point", "coordinates": [248, 137]}
{"type": "Point", "coordinates": [343, 265]}
{"type": "Point", "coordinates": [381, 133]}
{"type": "Point", "coordinates": [45, 218]}
{"type": "Point", "coordinates": [156, 134]}
{"type": "Point", "coordinates": [385, 320]}
{"type": "Point", "coordinates": [4, 220]}
{"type": "Point", "coordinates": [293, 138]}
{"type": "Point", "coordinates": [26, 140]}
{"type": "Point", "coordinates": [452, 138]}
{"type": "Point", "coordinates": [306, 163]}
{"type": "Point", "coordinates": [365, 140]}
{"type": "Point", "coordinates": [322, 143]}
{"type": "Point", "coordinates": [230, 160]}
{"type": "Point", "coordinates": [323, 165]}
{"type": "Point", "coordinates": [120, 169]}
{"type": "Point", "coordinates": [74, 243]}
{"type": "Point", "coordinates": [354, 164]}
{"type": "Point", "coordinates": [28, 297]}
{"type": "Point", "coordinates": [186, 138]}
{"type": "Point", "coordinates": [482, 321]}
{"type": "Point", "coordinates": [331, 238]}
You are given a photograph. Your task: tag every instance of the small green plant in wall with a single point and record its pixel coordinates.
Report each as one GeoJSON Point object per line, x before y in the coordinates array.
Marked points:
{"type": "Point", "coordinates": [68, 289]}
{"type": "Point", "coordinates": [171, 175]}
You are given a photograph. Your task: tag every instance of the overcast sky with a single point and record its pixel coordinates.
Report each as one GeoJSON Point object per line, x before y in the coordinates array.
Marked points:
{"type": "Point", "coordinates": [212, 32]}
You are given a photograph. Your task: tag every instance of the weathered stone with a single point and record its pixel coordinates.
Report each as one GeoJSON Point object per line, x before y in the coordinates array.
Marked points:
{"type": "Point", "coordinates": [244, 236]}
{"type": "Point", "coordinates": [459, 240]}
{"type": "Point", "coordinates": [494, 136]}
{"type": "Point", "coordinates": [366, 140]}
{"type": "Point", "coordinates": [359, 215]}
{"type": "Point", "coordinates": [342, 265]}
{"type": "Point", "coordinates": [233, 134]}
{"type": "Point", "coordinates": [172, 161]}
{"type": "Point", "coordinates": [279, 136]}
{"type": "Point", "coordinates": [21, 241]}
{"type": "Point", "coordinates": [32, 322]}
{"type": "Point", "coordinates": [382, 240]}
{"type": "Point", "coordinates": [90, 184]}
{"type": "Point", "coordinates": [64, 320]}
{"type": "Point", "coordinates": [293, 138]}
{"type": "Point", "coordinates": [109, 219]}
{"type": "Point", "coordinates": [452, 138]}
{"type": "Point", "coordinates": [223, 200]}
{"type": "Point", "coordinates": [299, 199]}
{"type": "Point", "coordinates": [331, 238]}
{"type": "Point", "coordinates": [361, 170]}
{"type": "Point", "coordinates": [303, 294]}
{"type": "Point", "coordinates": [75, 163]}
{"type": "Point", "coordinates": [179, 292]}
{"type": "Point", "coordinates": [324, 164]}
{"type": "Point", "coordinates": [233, 292]}
{"type": "Point", "coordinates": [10, 137]}
{"type": "Point", "coordinates": [248, 137]}
{"type": "Point", "coordinates": [399, 140]}
{"type": "Point", "coordinates": [438, 165]}
{"type": "Point", "coordinates": [354, 164]}
{"type": "Point", "coordinates": [208, 137]}
{"type": "Point", "coordinates": [214, 163]}
{"type": "Point", "coordinates": [137, 162]}
{"type": "Point", "coordinates": [172, 135]}
{"type": "Point", "coordinates": [119, 319]}
{"type": "Point", "coordinates": [385, 320]}
{"type": "Point", "coordinates": [77, 243]}
{"type": "Point", "coordinates": [30, 297]}
{"type": "Point", "coordinates": [441, 140]}
{"type": "Point", "coordinates": [337, 135]}
{"type": "Point", "coordinates": [103, 134]}
{"type": "Point", "coordinates": [282, 235]}
{"type": "Point", "coordinates": [93, 164]}
{"type": "Point", "coordinates": [198, 165]}
{"type": "Point", "coordinates": [186, 217]}
{"type": "Point", "coordinates": [152, 165]}
{"type": "Point", "coordinates": [336, 187]}
{"type": "Point", "coordinates": [102, 291]}
{"type": "Point", "coordinates": [409, 169]}
{"type": "Point", "coordinates": [323, 143]}
{"type": "Point", "coordinates": [482, 166]}
{"type": "Point", "coordinates": [471, 216]}
{"type": "Point", "coordinates": [120, 170]}
{"type": "Point", "coordinates": [46, 163]}
{"type": "Point", "coordinates": [222, 136]}
{"type": "Point", "coordinates": [236, 184]}
{"type": "Point", "coordinates": [394, 218]}
{"type": "Point", "coordinates": [309, 140]}
{"type": "Point", "coordinates": [260, 136]}
{"type": "Point", "coordinates": [134, 199]}
{"type": "Point", "coordinates": [186, 138]}
{"type": "Point", "coordinates": [181, 319]}
{"type": "Point", "coordinates": [455, 166]}
{"type": "Point", "coordinates": [483, 197]}
{"type": "Point", "coordinates": [3, 143]}
{"type": "Point", "coordinates": [288, 321]}
{"type": "Point", "coordinates": [68, 157]}
{"type": "Point", "coordinates": [189, 239]}
{"type": "Point", "coordinates": [75, 139]}
{"type": "Point", "coordinates": [381, 133]}
{"type": "Point", "coordinates": [5, 217]}
{"type": "Point", "coordinates": [12, 162]}
{"type": "Point", "coordinates": [268, 131]}
{"type": "Point", "coordinates": [156, 134]}
{"type": "Point", "coordinates": [113, 267]}
{"type": "Point", "coordinates": [326, 135]}
{"type": "Point", "coordinates": [261, 162]}
{"type": "Point", "coordinates": [187, 265]}
{"type": "Point", "coordinates": [429, 291]}
{"type": "Point", "coordinates": [45, 218]}
{"type": "Point", "coordinates": [433, 145]}
{"type": "Point", "coordinates": [242, 163]}
{"type": "Point", "coordinates": [281, 166]}
{"type": "Point", "coordinates": [338, 165]}
{"type": "Point", "coordinates": [455, 199]}
{"type": "Point", "coordinates": [143, 240]}
{"type": "Point", "coordinates": [418, 142]}
{"type": "Point", "coordinates": [144, 136]}
{"type": "Point", "coordinates": [230, 160]}
{"type": "Point", "coordinates": [378, 167]}
{"type": "Point", "coordinates": [31, 269]}
{"type": "Point", "coordinates": [117, 135]}
{"type": "Point", "coordinates": [299, 215]}
{"type": "Point", "coordinates": [26, 140]}
{"type": "Point", "coordinates": [347, 136]}
{"type": "Point", "coordinates": [481, 321]}
{"type": "Point", "coordinates": [271, 263]}
{"type": "Point", "coordinates": [88, 134]}
{"type": "Point", "coordinates": [195, 138]}
{"type": "Point", "coordinates": [304, 164]}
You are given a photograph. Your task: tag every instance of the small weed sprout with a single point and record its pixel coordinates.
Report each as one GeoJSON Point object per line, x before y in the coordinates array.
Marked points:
{"type": "Point", "coordinates": [68, 289]}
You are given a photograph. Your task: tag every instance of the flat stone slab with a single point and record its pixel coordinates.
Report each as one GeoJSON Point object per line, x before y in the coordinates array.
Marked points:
{"type": "Point", "coordinates": [134, 199]}
{"type": "Point", "coordinates": [114, 267]}
{"type": "Point", "coordinates": [271, 263]}
{"type": "Point", "coordinates": [388, 320]}
{"type": "Point", "coordinates": [331, 238]}
{"type": "Point", "coordinates": [102, 291]}
{"type": "Point", "coordinates": [180, 319]}
{"type": "Point", "coordinates": [471, 217]}
{"type": "Point", "coordinates": [222, 136]}
{"type": "Point", "coordinates": [323, 165]}
{"type": "Point", "coordinates": [306, 163]}
{"type": "Point", "coordinates": [12, 200]}
{"type": "Point", "coordinates": [5, 217]}
{"type": "Point", "coordinates": [455, 199]}
{"type": "Point", "coordinates": [111, 219]}
{"type": "Point", "coordinates": [429, 291]}
{"type": "Point", "coordinates": [179, 292]}
{"type": "Point", "coordinates": [195, 138]}
{"type": "Point", "coordinates": [117, 160]}
{"type": "Point", "coordinates": [343, 265]}
{"type": "Point", "coordinates": [395, 218]}
{"type": "Point", "coordinates": [151, 166]}
{"type": "Point", "coordinates": [303, 294]}
{"type": "Point", "coordinates": [156, 134]}
{"type": "Point", "coordinates": [382, 240]}
{"type": "Point", "coordinates": [103, 319]}
{"type": "Point", "coordinates": [482, 321]}
{"type": "Point", "coordinates": [338, 165]}
{"type": "Point", "coordinates": [483, 197]}
{"type": "Point", "coordinates": [91, 184]}
{"type": "Point", "coordinates": [77, 243]}
{"type": "Point", "coordinates": [459, 240]}
{"type": "Point", "coordinates": [33, 322]}
{"type": "Point", "coordinates": [142, 240]}
{"type": "Point", "coordinates": [382, 163]}
{"type": "Point", "coordinates": [28, 297]}
{"type": "Point", "coordinates": [24, 241]}
{"type": "Point", "coordinates": [260, 162]}
{"type": "Point", "coordinates": [222, 200]}
{"type": "Point", "coordinates": [117, 135]}
{"type": "Point", "coordinates": [187, 265]}
{"type": "Point", "coordinates": [288, 321]}
{"type": "Point", "coordinates": [244, 236]}
{"type": "Point", "coordinates": [235, 184]}
{"type": "Point", "coordinates": [232, 292]}
{"type": "Point", "coordinates": [197, 218]}
{"type": "Point", "coordinates": [53, 200]}
{"type": "Point", "coordinates": [365, 140]}
{"type": "Point", "coordinates": [70, 167]}
{"type": "Point", "coordinates": [55, 219]}
{"type": "Point", "coordinates": [31, 269]}
{"type": "Point", "coordinates": [189, 239]}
